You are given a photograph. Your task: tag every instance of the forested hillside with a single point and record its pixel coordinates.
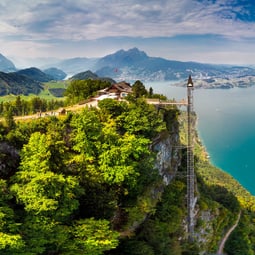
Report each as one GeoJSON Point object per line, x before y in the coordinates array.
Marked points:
{"type": "Point", "coordinates": [14, 83]}
{"type": "Point", "coordinates": [109, 180]}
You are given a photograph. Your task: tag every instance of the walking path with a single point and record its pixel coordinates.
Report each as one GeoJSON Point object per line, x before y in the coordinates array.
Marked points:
{"type": "Point", "coordinates": [223, 241]}
{"type": "Point", "coordinates": [73, 108]}
{"type": "Point", "coordinates": [92, 103]}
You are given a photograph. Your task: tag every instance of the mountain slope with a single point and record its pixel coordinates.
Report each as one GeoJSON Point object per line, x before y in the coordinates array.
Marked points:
{"type": "Point", "coordinates": [134, 64]}
{"type": "Point", "coordinates": [123, 58]}
{"type": "Point", "coordinates": [56, 73]}
{"type": "Point", "coordinates": [137, 64]}
{"type": "Point", "coordinates": [6, 65]}
{"type": "Point", "coordinates": [90, 75]}
{"type": "Point", "coordinates": [14, 83]}
{"type": "Point", "coordinates": [35, 74]}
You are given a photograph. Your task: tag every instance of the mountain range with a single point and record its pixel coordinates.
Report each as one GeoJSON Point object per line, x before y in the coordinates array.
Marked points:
{"type": "Point", "coordinates": [129, 65]}
{"type": "Point", "coordinates": [133, 64]}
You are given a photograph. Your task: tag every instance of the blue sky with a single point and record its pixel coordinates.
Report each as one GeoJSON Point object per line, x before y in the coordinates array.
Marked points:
{"type": "Point", "coordinates": [209, 31]}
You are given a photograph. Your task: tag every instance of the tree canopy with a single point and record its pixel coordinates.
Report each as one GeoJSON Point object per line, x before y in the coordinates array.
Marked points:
{"type": "Point", "coordinates": [87, 183]}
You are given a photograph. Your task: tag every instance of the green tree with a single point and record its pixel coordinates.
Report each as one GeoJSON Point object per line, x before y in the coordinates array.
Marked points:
{"type": "Point", "coordinates": [92, 237]}
{"type": "Point", "coordinates": [150, 92]}
{"type": "Point", "coordinates": [10, 239]}
{"type": "Point", "coordinates": [86, 133]}
{"type": "Point", "coordinates": [156, 234]}
{"type": "Point", "coordinates": [103, 152]}
{"type": "Point", "coordinates": [37, 105]}
{"type": "Point", "coordinates": [79, 90]}
{"type": "Point", "coordinates": [48, 196]}
{"type": "Point", "coordinates": [9, 119]}
{"type": "Point", "coordinates": [118, 162]}
{"type": "Point", "coordinates": [38, 187]}
{"type": "Point", "coordinates": [141, 119]}
{"type": "Point", "coordinates": [18, 106]}
{"type": "Point", "coordinates": [139, 89]}
{"type": "Point", "coordinates": [112, 107]}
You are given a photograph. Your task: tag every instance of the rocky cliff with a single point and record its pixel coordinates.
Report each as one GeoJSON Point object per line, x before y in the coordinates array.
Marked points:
{"type": "Point", "coordinates": [162, 220]}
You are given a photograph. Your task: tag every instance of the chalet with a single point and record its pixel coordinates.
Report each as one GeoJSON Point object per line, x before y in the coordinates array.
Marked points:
{"type": "Point", "coordinates": [115, 91]}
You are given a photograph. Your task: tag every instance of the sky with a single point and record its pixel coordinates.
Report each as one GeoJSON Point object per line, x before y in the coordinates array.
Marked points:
{"type": "Point", "coordinates": [207, 31]}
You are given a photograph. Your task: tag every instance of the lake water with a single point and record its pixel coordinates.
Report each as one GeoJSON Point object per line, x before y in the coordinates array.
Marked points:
{"type": "Point", "coordinates": [226, 126]}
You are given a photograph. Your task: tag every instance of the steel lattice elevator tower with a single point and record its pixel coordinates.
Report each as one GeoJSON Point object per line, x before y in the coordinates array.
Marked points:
{"type": "Point", "coordinates": [190, 163]}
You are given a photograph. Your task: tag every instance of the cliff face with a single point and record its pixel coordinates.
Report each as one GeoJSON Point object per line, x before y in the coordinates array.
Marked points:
{"type": "Point", "coordinates": [161, 210]}
{"type": "Point", "coordinates": [167, 161]}
{"type": "Point", "coordinates": [168, 157]}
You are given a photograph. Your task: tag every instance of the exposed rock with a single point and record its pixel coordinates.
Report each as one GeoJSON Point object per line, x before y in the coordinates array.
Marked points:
{"type": "Point", "coordinates": [168, 158]}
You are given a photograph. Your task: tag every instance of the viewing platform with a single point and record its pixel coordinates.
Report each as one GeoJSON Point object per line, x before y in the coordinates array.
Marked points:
{"type": "Point", "coordinates": [166, 102]}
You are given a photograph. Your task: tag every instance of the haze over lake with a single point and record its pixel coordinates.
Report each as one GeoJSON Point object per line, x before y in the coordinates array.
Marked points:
{"type": "Point", "coordinates": [226, 126]}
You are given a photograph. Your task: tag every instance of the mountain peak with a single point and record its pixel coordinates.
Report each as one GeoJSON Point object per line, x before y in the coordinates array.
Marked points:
{"type": "Point", "coordinates": [133, 52]}
{"type": "Point", "coordinates": [35, 74]}
{"type": "Point", "coordinates": [123, 58]}
{"type": "Point", "coordinates": [136, 51]}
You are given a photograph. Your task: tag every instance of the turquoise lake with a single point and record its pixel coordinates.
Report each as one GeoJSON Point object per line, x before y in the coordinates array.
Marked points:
{"type": "Point", "coordinates": [226, 126]}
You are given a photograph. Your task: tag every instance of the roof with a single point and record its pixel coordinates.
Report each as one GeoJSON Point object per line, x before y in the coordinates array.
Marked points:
{"type": "Point", "coordinates": [121, 87]}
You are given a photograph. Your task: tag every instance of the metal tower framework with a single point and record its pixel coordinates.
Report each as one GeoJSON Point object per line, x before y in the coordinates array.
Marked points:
{"type": "Point", "coordinates": [191, 201]}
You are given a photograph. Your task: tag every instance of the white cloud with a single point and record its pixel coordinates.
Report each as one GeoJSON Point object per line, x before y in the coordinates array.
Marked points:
{"type": "Point", "coordinates": [33, 27]}
{"type": "Point", "coordinates": [95, 19]}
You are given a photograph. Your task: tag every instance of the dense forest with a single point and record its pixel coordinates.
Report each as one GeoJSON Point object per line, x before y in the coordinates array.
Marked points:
{"type": "Point", "coordinates": [87, 183]}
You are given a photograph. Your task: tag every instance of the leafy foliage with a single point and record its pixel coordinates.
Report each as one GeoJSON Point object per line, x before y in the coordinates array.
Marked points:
{"type": "Point", "coordinates": [141, 119]}
{"type": "Point", "coordinates": [242, 239]}
{"type": "Point", "coordinates": [19, 107]}
{"type": "Point", "coordinates": [86, 183]}
{"type": "Point", "coordinates": [139, 89]}
{"type": "Point", "coordinates": [79, 90]}
{"type": "Point", "coordinates": [92, 237]}
{"type": "Point", "coordinates": [10, 239]}
{"type": "Point", "coordinates": [37, 186]}
{"type": "Point", "coordinates": [112, 107]}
